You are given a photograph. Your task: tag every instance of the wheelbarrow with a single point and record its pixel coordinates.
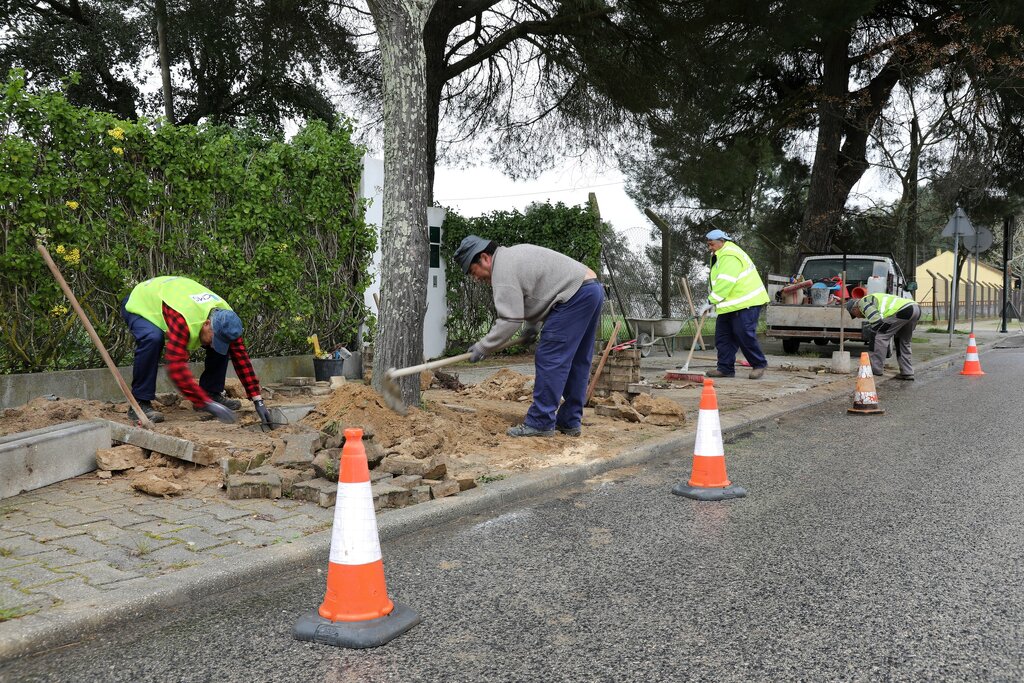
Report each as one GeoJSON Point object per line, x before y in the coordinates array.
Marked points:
{"type": "Point", "coordinates": [650, 331]}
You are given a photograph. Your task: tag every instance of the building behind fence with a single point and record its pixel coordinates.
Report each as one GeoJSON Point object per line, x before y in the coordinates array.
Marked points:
{"type": "Point", "coordinates": [981, 294]}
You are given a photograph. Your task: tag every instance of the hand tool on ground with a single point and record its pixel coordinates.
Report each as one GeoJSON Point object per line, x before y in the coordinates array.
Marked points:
{"type": "Point", "coordinates": [392, 393]}
{"type": "Point", "coordinates": [693, 310]}
{"type": "Point", "coordinates": [604, 358]}
{"type": "Point", "coordinates": [695, 377]}
{"type": "Point", "coordinates": [143, 420]}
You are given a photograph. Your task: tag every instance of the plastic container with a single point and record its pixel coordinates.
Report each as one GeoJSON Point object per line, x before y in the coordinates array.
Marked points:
{"type": "Point", "coordinates": [324, 369]}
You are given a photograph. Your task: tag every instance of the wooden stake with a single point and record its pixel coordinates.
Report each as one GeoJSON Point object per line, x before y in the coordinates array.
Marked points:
{"type": "Point", "coordinates": [604, 359]}
{"type": "Point", "coordinates": [95, 337]}
{"type": "Point", "coordinates": [686, 288]}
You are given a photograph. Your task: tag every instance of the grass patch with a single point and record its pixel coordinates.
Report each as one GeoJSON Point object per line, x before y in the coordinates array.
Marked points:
{"type": "Point", "coordinates": [943, 330]}
{"type": "Point", "coordinates": [8, 613]}
{"type": "Point", "coordinates": [181, 565]}
{"type": "Point", "coordinates": [487, 479]}
{"type": "Point", "coordinates": [142, 548]}
{"type": "Point", "coordinates": [5, 551]}
{"type": "Point", "coordinates": [918, 340]}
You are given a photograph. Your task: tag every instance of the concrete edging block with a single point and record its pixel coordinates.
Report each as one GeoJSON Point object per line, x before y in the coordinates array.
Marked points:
{"type": "Point", "coordinates": [37, 458]}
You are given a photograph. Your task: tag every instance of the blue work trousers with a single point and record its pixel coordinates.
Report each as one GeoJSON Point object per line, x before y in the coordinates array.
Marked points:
{"type": "Point", "coordinates": [149, 345]}
{"type": "Point", "coordinates": [738, 331]}
{"type": "Point", "coordinates": [563, 358]}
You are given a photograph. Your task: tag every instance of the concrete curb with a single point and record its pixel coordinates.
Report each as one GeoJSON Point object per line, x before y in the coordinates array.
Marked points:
{"type": "Point", "coordinates": [76, 621]}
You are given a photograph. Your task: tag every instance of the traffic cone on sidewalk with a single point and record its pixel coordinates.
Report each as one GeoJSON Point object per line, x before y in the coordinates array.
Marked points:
{"type": "Point", "coordinates": [708, 480]}
{"type": "Point", "coordinates": [356, 611]}
{"type": "Point", "coordinates": [865, 398]}
{"type": "Point", "coordinates": [972, 366]}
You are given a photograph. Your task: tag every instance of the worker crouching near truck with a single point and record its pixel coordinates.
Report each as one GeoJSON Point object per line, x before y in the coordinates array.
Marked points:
{"type": "Point", "coordinates": [534, 285]}
{"type": "Point", "coordinates": [183, 315]}
{"type": "Point", "coordinates": [887, 316]}
{"type": "Point", "coordinates": [737, 295]}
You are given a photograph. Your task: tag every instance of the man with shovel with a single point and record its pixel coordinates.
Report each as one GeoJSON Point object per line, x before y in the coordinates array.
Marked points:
{"type": "Point", "coordinates": [184, 315]}
{"type": "Point", "coordinates": [533, 285]}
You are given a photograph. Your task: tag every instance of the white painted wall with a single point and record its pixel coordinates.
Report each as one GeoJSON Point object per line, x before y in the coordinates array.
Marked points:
{"type": "Point", "coordinates": [435, 334]}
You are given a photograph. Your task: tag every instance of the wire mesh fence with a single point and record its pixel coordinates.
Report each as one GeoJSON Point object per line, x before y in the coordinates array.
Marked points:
{"type": "Point", "coordinates": [631, 265]}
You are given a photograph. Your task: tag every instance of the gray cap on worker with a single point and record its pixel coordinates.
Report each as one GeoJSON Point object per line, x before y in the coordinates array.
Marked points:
{"type": "Point", "coordinates": [470, 246]}
{"type": "Point", "coordinates": [850, 304]}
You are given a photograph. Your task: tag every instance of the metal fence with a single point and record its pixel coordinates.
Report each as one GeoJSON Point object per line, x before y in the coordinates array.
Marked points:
{"type": "Point", "coordinates": [982, 299]}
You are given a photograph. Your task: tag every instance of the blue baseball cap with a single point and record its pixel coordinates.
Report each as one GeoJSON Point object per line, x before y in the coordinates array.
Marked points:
{"type": "Point", "coordinates": [227, 327]}
{"type": "Point", "coordinates": [717, 235]}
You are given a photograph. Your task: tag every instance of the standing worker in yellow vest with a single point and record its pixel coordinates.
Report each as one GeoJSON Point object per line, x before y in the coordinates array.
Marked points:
{"type": "Point", "coordinates": [187, 315]}
{"type": "Point", "coordinates": [887, 316]}
{"type": "Point", "coordinates": [737, 295]}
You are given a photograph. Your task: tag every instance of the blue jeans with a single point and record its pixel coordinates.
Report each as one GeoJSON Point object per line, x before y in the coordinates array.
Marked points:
{"type": "Point", "coordinates": [563, 358]}
{"type": "Point", "coordinates": [738, 331]}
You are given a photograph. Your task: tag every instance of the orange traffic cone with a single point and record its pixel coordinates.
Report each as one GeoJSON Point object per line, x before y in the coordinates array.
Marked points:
{"type": "Point", "coordinates": [708, 480]}
{"type": "Point", "coordinates": [972, 366]}
{"type": "Point", "coordinates": [356, 611]}
{"type": "Point", "coordinates": [865, 398]}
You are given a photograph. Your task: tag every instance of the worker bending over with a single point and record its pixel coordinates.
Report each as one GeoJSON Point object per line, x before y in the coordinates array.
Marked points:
{"type": "Point", "coordinates": [534, 285]}
{"type": "Point", "coordinates": [186, 315]}
{"type": "Point", "coordinates": [887, 316]}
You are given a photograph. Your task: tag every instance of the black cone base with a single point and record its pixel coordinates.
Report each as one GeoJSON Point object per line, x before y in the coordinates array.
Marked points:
{"type": "Point", "coordinates": [355, 634]}
{"type": "Point", "coordinates": [701, 493]}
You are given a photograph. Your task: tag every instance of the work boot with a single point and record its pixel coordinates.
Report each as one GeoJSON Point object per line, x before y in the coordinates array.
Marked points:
{"type": "Point", "coordinates": [569, 431]}
{"type": "Point", "coordinates": [716, 373]}
{"type": "Point", "coordinates": [227, 402]}
{"type": "Point", "coordinates": [527, 430]}
{"type": "Point", "coordinates": [148, 410]}
{"type": "Point", "coordinates": [757, 373]}
{"type": "Point", "coordinates": [905, 378]}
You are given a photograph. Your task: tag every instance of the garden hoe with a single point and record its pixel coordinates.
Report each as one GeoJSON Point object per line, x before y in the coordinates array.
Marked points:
{"type": "Point", "coordinates": [392, 392]}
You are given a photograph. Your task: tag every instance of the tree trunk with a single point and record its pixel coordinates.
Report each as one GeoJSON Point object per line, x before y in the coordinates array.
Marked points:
{"type": "Point", "coordinates": [160, 9]}
{"type": "Point", "coordinates": [824, 205]}
{"type": "Point", "coordinates": [404, 246]}
{"type": "Point", "coordinates": [912, 174]}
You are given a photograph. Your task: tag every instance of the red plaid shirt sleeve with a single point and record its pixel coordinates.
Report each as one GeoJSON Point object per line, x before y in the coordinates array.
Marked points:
{"type": "Point", "coordinates": [176, 354]}
{"type": "Point", "coordinates": [243, 368]}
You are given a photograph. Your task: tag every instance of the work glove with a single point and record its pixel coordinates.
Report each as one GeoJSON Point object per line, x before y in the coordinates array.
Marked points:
{"type": "Point", "coordinates": [222, 413]}
{"type": "Point", "coordinates": [475, 354]}
{"type": "Point", "coordinates": [261, 410]}
{"type": "Point", "coordinates": [529, 335]}
{"type": "Point", "coordinates": [706, 308]}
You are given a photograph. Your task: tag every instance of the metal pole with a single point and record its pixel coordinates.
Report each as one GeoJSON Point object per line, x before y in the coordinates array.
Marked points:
{"type": "Point", "coordinates": [974, 287]}
{"type": "Point", "coordinates": [1007, 222]}
{"type": "Point", "coordinates": [956, 258]}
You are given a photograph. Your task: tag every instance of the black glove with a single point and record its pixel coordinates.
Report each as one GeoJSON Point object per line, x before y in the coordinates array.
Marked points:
{"type": "Point", "coordinates": [475, 354]}
{"type": "Point", "coordinates": [261, 410]}
{"type": "Point", "coordinates": [222, 413]}
{"type": "Point", "coordinates": [528, 336]}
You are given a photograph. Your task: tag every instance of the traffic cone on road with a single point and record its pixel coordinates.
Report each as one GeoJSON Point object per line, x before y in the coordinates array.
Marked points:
{"type": "Point", "coordinates": [356, 611]}
{"type": "Point", "coordinates": [865, 398]}
{"type": "Point", "coordinates": [972, 366]}
{"type": "Point", "coordinates": [708, 480]}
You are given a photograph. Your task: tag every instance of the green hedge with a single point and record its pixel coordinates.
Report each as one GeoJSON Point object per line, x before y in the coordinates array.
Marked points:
{"type": "Point", "coordinates": [275, 228]}
{"type": "Point", "coordinates": [571, 230]}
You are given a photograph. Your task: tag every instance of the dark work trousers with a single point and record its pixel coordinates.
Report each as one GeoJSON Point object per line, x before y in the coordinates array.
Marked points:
{"type": "Point", "coordinates": [738, 331]}
{"type": "Point", "coordinates": [563, 358]}
{"type": "Point", "coordinates": [149, 345]}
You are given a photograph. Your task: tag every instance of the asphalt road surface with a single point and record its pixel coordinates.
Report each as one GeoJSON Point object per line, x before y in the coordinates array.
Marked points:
{"type": "Point", "coordinates": [869, 548]}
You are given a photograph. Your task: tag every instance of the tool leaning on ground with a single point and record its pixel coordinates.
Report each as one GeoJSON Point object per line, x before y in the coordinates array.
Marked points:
{"type": "Point", "coordinates": [392, 393]}
{"type": "Point", "coordinates": [143, 420]}
{"type": "Point", "coordinates": [684, 373]}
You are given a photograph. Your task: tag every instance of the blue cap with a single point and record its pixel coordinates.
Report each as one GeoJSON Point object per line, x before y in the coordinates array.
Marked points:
{"type": "Point", "coordinates": [717, 235]}
{"type": "Point", "coordinates": [227, 327]}
{"type": "Point", "coordinates": [470, 246]}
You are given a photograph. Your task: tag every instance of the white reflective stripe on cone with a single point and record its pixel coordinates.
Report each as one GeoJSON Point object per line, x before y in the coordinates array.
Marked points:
{"type": "Point", "coordinates": [354, 539]}
{"type": "Point", "coordinates": [709, 435]}
{"type": "Point", "coordinates": [972, 356]}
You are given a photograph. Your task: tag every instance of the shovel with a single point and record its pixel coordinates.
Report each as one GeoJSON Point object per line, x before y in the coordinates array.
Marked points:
{"type": "Point", "coordinates": [392, 393]}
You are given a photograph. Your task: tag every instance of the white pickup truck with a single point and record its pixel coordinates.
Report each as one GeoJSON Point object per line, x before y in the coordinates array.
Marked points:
{"type": "Point", "coordinates": [802, 314]}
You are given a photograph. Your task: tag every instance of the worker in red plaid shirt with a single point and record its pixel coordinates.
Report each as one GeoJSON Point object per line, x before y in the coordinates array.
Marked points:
{"type": "Point", "coordinates": [183, 315]}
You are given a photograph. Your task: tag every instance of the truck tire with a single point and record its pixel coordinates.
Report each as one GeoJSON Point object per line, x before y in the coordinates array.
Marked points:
{"type": "Point", "coordinates": [791, 345]}
{"type": "Point", "coordinates": [821, 341]}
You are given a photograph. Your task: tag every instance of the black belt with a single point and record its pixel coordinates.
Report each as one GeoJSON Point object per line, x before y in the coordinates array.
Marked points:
{"type": "Point", "coordinates": [589, 280]}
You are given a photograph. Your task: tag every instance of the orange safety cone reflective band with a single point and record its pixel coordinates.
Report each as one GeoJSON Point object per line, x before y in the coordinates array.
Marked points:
{"type": "Point", "coordinates": [708, 480]}
{"type": "Point", "coordinates": [865, 398]}
{"type": "Point", "coordinates": [356, 611]}
{"type": "Point", "coordinates": [972, 366]}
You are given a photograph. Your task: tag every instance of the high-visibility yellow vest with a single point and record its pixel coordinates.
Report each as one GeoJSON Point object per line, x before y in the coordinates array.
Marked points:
{"type": "Point", "coordinates": [875, 307]}
{"type": "Point", "coordinates": [734, 281]}
{"type": "Point", "coordinates": [187, 297]}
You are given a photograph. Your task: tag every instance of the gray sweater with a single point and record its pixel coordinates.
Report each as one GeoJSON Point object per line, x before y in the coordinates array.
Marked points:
{"type": "Point", "coordinates": [529, 281]}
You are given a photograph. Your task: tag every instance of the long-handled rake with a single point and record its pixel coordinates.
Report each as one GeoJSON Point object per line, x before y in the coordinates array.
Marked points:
{"type": "Point", "coordinates": [392, 393]}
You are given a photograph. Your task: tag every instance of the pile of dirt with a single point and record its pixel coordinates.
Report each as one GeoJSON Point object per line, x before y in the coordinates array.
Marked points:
{"type": "Point", "coordinates": [504, 385]}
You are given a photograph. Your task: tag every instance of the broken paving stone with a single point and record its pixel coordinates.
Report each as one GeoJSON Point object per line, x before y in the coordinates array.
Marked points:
{"type": "Point", "coordinates": [247, 486]}
{"type": "Point", "coordinates": [378, 475]}
{"type": "Point", "coordinates": [442, 489]}
{"type": "Point", "coordinates": [325, 463]}
{"type": "Point", "coordinates": [407, 481]}
{"type": "Point", "coordinates": [387, 496]}
{"type": "Point", "coordinates": [337, 382]}
{"type": "Point", "coordinates": [120, 458]}
{"type": "Point", "coordinates": [233, 388]}
{"type": "Point", "coordinates": [621, 412]}
{"type": "Point", "coordinates": [299, 381]}
{"type": "Point", "coordinates": [296, 449]}
{"type": "Point", "coordinates": [420, 447]}
{"type": "Point", "coordinates": [103, 474]}
{"type": "Point", "coordinates": [168, 399]}
{"type": "Point", "coordinates": [420, 494]}
{"type": "Point", "coordinates": [432, 468]}
{"type": "Point", "coordinates": [374, 453]}
{"type": "Point", "coordinates": [323, 493]}
{"type": "Point", "coordinates": [316, 391]}
{"type": "Point", "coordinates": [331, 440]}
{"type": "Point", "coordinates": [156, 486]}
{"type": "Point", "coordinates": [289, 477]}
{"type": "Point", "coordinates": [230, 465]}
